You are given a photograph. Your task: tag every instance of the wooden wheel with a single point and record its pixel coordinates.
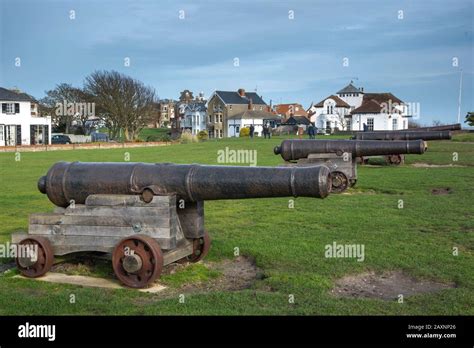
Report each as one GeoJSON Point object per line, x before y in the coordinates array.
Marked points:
{"type": "Point", "coordinates": [339, 182]}
{"type": "Point", "coordinates": [37, 257]}
{"type": "Point", "coordinates": [137, 261]}
{"type": "Point", "coordinates": [201, 248]}
{"type": "Point", "coordinates": [394, 160]}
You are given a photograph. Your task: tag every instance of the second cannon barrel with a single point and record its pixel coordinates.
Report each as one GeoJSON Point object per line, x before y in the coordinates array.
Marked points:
{"type": "Point", "coordinates": [291, 150]}
{"type": "Point", "coordinates": [400, 135]}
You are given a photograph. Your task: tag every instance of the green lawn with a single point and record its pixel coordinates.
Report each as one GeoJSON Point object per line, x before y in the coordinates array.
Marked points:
{"type": "Point", "coordinates": [287, 244]}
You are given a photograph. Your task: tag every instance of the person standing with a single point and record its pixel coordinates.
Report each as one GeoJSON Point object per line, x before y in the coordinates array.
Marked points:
{"type": "Point", "coordinates": [311, 131]}
{"type": "Point", "coordinates": [265, 131]}
{"type": "Point", "coordinates": [252, 130]}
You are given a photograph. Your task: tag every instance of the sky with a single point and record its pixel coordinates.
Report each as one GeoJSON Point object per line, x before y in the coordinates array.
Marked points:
{"type": "Point", "coordinates": [289, 51]}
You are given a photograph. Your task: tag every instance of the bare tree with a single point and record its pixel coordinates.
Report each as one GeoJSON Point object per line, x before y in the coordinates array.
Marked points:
{"type": "Point", "coordinates": [125, 104]}
{"type": "Point", "coordinates": [66, 104]}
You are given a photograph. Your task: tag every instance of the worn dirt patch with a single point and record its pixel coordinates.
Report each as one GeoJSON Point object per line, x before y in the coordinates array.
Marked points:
{"type": "Point", "coordinates": [426, 165]}
{"type": "Point", "coordinates": [237, 274]}
{"type": "Point", "coordinates": [386, 286]}
{"type": "Point", "coordinates": [441, 191]}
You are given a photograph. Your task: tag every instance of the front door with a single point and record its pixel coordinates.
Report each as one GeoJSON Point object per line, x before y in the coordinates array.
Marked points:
{"type": "Point", "coordinates": [2, 135]}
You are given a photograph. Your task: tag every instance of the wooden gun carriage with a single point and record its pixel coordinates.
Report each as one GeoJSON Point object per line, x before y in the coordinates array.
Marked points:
{"type": "Point", "coordinates": [146, 215]}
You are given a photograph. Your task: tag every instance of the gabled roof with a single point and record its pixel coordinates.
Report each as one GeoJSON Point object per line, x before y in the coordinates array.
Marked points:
{"type": "Point", "coordinates": [382, 97]}
{"type": "Point", "coordinates": [374, 103]}
{"type": "Point", "coordinates": [253, 114]}
{"type": "Point", "coordinates": [350, 88]}
{"type": "Point", "coordinates": [298, 120]}
{"type": "Point", "coordinates": [229, 97]}
{"type": "Point", "coordinates": [196, 106]}
{"type": "Point", "coordinates": [9, 95]}
{"type": "Point", "coordinates": [298, 109]}
{"type": "Point", "coordinates": [339, 102]}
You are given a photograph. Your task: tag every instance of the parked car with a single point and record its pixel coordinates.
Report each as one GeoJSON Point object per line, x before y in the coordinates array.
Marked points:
{"type": "Point", "coordinates": [96, 136]}
{"type": "Point", "coordinates": [60, 139]}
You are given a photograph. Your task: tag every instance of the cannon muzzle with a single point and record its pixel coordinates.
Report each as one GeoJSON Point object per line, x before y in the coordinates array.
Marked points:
{"type": "Point", "coordinates": [67, 181]}
{"type": "Point", "coordinates": [400, 135]}
{"type": "Point", "coordinates": [291, 150]}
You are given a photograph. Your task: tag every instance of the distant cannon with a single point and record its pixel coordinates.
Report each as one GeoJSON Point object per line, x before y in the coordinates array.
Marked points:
{"type": "Point", "coordinates": [399, 135]}
{"type": "Point", "coordinates": [340, 155]}
{"type": "Point", "coordinates": [146, 215]}
{"type": "Point", "coordinates": [447, 127]}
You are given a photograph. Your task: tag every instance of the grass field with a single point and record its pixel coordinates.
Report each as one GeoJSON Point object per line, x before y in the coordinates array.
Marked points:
{"type": "Point", "coordinates": [287, 244]}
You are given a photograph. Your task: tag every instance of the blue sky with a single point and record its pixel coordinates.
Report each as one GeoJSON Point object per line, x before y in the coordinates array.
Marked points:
{"type": "Point", "coordinates": [287, 60]}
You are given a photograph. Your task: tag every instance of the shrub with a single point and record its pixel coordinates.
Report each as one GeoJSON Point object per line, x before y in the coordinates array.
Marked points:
{"type": "Point", "coordinates": [165, 137]}
{"type": "Point", "coordinates": [244, 132]}
{"type": "Point", "coordinates": [187, 137]}
{"type": "Point", "coordinates": [153, 137]}
{"type": "Point", "coordinates": [202, 135]}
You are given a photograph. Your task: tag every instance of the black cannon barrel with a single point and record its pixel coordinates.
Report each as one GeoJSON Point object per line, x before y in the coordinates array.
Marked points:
{"type": "Point", "coordinates": [66, 181]}
{"type": "Point", "coordinates": [398, 135]}
{"type": "Point", "coordinates": [297, 149]}
{"type": "Point", "coordinates": [447, 127]}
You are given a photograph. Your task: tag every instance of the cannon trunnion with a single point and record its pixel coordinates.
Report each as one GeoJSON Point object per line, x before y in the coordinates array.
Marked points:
{"type": "Point", "coordinates": [146, 215]}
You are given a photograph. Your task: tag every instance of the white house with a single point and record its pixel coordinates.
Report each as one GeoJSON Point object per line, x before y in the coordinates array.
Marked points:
{"type": "Point", "coordinates": [251, 117]}
{"type": "Point", "coordinates": [195, 116]}
{"type": "Point", "coordinates": [380, 111]}
{"type": "Point", "coordinates": [330, 114]}
{"type": "Point", "coordinates": [20, 122]}
{"type": "Point", "coordinates": [351, 108]}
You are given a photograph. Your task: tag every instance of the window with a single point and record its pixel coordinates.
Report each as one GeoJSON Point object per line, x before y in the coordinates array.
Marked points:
{"type": "Point", "coordinates": [10, 108]}
{"type": "Point", "coordinates": [394, 124]}
{"type": "Point", "coordinates": [210, 118]}
{"type": "Point", "coordinates": [370, 124]}
{"type": "Point", "coordinates": [220, 118]}
{"type": "Point", "coordinates": [230, 107]}
{"type": "Point", "coordinates": [348, 124]}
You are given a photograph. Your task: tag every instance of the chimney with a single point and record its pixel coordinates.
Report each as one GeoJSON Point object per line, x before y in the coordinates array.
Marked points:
{"type": "Point", "coordinates": [250, 104]}
{"type": "Point", "coordinates": [241, 92]}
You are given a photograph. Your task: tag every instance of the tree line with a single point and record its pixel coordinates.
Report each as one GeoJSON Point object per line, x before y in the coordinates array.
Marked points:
{"type": "Point", "coordinates": [124, 104]}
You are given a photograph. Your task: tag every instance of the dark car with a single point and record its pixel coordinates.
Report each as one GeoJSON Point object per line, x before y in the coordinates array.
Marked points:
{"type": "Point", "coordinates": [96, 136]}
{"type": "Point", "coordinates": [60, 139]}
